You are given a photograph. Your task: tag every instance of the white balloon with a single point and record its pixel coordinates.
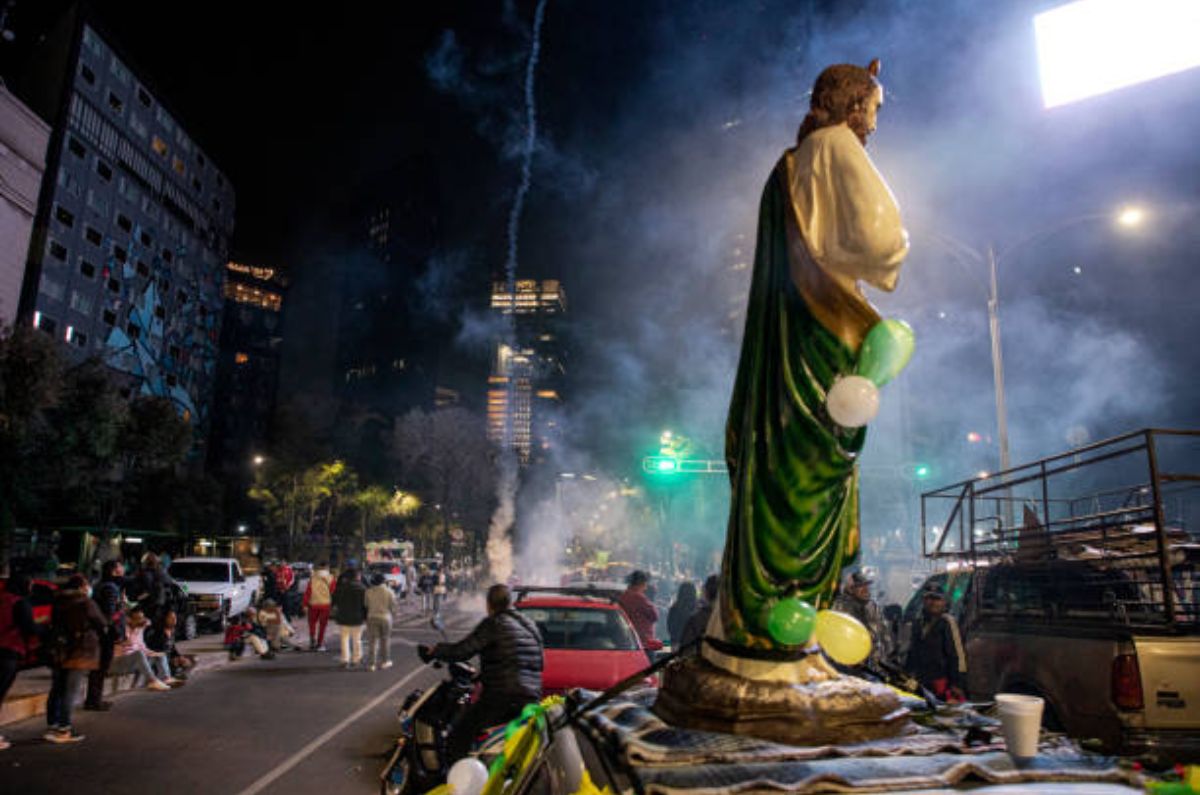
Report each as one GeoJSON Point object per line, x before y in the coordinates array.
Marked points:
{"type": "Point", "coordinates": [467, 776]}
{"type": "Point", "coordinates": [852, 401]}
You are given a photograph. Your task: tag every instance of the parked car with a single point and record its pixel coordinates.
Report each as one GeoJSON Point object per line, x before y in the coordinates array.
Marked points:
{"type": "Point", "coordinates": [1073, 633]}
{"type": "Point", "coordinates": [216, 587]}
{"type": "Point", "coordinates": [41, 599]}
{"type": "Point", "coordinates": [588, 639]}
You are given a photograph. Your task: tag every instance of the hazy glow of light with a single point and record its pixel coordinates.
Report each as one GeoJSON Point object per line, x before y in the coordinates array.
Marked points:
{"type": "Point", "coordinates": [1132, 216]}
{"type": "Point", "coordinates": [668, 465]}
{"type": "Point", "coordinates": [974, 437]}
{"type": "Point", "coordinates": [1091, 47]}
{"type": "Point", "coordinates": [982, 475]}
{"type": "Point", "coordinates": [1078, 270]}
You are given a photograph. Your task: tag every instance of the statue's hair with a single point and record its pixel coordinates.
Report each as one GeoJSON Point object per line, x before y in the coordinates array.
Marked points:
{"type": "Point", "coordinates": [840, 95]}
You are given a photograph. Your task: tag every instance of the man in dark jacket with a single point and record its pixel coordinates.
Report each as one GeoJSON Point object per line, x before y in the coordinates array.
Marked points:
{"type": "Point", "coordinates": [510, 656]}
{"type": "Point", "coordinates": [697, 623]}
{"type": "Point", "coordinates": [350, 613]}
{"type": "Point", "coordinates": [936, 657]}
{"type": "Point", "coordinates": [109, 596]}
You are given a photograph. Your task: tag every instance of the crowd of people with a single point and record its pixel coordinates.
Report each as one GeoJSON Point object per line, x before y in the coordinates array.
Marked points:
{"type": "Point", "coordinates": [932, 657]}
{"type": "Point", "coordinates": [121, 624]}
{"type": "Point", "coordinates": [125, 624]}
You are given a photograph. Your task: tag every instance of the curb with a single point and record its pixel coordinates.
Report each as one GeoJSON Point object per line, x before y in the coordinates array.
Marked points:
{"type": "Point", "coordinates": [31, 705]}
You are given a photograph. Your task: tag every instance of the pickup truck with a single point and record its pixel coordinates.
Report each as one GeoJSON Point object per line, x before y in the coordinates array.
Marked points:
{"type": "Point", "coordinates": [1090, 598]}
{"type": "Point", "coordinates": [217, 588]}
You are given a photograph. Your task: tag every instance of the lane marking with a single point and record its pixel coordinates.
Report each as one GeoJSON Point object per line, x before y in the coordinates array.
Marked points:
{"type": "Point", "coordinates": [303, 753]}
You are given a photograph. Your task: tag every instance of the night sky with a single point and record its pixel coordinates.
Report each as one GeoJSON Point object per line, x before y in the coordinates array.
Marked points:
{"type": "Point", "coordinates": [659, 122]}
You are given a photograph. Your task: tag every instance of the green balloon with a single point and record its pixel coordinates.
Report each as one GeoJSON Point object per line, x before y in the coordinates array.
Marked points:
{"type": "Point", "coordinates": [791, 621]}
{"type": "Point", "coordinates": [885, 351]}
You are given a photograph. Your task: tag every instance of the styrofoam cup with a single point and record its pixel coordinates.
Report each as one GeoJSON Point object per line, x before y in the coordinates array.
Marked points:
{"type": "Point", "coordinates": [1021, 720]}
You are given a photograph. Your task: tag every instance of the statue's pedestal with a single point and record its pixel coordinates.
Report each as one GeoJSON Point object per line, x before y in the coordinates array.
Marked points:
{"type": "Point", "coordinates": [825, 708]}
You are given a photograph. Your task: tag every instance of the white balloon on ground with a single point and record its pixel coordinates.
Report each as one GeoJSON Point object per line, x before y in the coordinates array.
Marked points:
{"type": "Point", "coordinates": [467, 776]}
{"type": "Point", "coordinates": [852, 401]}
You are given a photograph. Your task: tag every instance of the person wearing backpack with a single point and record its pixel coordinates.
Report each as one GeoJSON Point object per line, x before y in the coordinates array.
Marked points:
{"type": "Point", "coordinates": [16, 628]}
{"type": "Point", "coordinates": [76, 626]}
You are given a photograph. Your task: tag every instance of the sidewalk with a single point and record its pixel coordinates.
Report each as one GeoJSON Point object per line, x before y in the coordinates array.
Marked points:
{"type": "Point", "coordinates": [27, 698]}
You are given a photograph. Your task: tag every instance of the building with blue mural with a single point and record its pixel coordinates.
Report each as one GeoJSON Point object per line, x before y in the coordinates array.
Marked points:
{"type": "Point", "coordinates": [127, 260]}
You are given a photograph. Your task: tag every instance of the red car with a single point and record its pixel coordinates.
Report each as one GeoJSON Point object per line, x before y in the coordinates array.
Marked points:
{"type": "Point", "coordinates": [41, 599]}
{"type": "Point", "coordinates": [588, 639]}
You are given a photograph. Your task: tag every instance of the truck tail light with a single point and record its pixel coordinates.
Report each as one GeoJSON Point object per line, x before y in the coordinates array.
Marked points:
{"type": "Point", "coordinates": [1127, 682]}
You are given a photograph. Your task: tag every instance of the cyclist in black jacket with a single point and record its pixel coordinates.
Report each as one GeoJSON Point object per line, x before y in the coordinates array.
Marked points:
{"type": "Point", "coordinates": [510, 655]}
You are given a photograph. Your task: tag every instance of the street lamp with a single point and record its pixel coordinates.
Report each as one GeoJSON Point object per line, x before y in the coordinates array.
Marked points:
{"type": "Point", "coordinates": [258, 460]}
{"type": "Point", "coordinates": [1128, 217]}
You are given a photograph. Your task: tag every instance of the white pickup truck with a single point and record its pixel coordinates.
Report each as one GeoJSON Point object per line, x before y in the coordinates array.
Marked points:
{"type": "Point", "coordinates": [216, 586]}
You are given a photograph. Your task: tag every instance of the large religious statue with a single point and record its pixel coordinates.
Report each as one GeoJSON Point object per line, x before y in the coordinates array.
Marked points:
{"type": "Point", "coordinates": [827, 221]}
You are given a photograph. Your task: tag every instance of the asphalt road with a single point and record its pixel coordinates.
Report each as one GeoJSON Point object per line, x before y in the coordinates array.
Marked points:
{"type": "Point", "coordinates": [296, 724]}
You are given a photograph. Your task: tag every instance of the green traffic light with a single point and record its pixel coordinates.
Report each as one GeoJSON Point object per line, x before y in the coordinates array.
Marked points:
{"type": "Point", "coordinates": [921, 471]}
{"type": "Point", "coordinates": [668, 465]}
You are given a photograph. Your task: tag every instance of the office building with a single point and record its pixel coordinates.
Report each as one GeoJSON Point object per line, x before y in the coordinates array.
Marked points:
{"type": "Point", "coordinates": [23, 141]}
{"type": "Point", "coordinates": [528, 370]}
{"type": "Point", "coordinates": [247, 369]}
{"type": "Point", "coordinates": [127, 260]}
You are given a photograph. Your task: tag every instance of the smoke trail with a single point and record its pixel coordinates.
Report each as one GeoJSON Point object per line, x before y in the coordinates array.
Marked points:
{"type": "Point", "coordinates": [499, 545]}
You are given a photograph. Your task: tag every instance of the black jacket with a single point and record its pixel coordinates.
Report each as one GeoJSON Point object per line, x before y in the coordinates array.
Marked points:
{"type": "Point", "coordinates": [510, 656]}
{"type": "Point", "coordinates": [937, 652]}
{"type": "Point", "coordinates": [350, 600]}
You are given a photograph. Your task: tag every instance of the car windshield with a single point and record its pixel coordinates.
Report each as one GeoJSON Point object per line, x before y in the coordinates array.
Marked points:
{"type": "Point", "coordinates": [583, 628]}
{"type": "Point", "coordinates": [200, 572]}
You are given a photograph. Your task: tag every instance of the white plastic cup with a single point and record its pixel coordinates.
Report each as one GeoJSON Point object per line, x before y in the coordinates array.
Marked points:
{"type": "Point", "coordinates": [1021, 721]}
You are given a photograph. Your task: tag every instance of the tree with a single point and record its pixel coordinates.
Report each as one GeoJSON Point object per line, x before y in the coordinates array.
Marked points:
{"type": "Point", "coordinates": [30, 384]}
{"type": "Point", "coordinates": [83, 440]}
{"type": "Point", "coordinates": [446, 455]}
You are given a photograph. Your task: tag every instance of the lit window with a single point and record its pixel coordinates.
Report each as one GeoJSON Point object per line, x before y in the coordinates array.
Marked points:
{"type": "Point", "coordinates": [159, 146]}
{"type": "Point", "coordinates": [240, 358]}
{"type": "Point", "coordinates": [177, 164]}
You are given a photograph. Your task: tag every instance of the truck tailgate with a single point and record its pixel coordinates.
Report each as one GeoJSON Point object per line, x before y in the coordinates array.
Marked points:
{"type": "Point", "coordinates": [1170, 669]}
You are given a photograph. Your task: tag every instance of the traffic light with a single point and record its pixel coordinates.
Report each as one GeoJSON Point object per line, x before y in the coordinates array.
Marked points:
{"type": "Point", "coordinates": [921, 471]}
{"type": "Point", "coordinates": [660, 465]}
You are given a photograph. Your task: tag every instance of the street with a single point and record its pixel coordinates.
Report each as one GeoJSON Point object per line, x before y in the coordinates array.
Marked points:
{"type": "Point", "coordinates": [295, 724]}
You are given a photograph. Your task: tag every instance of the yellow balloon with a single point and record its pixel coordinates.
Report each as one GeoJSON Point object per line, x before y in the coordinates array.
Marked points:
{"type": "Point", "coordinates": [842, 637]}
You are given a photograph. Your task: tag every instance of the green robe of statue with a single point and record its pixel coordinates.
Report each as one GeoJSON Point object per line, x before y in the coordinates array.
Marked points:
{"type": "Point", "coordinates": [827, 220]}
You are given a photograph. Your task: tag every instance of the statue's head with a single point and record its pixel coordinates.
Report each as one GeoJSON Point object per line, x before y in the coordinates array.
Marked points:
{"type": "Point", "coordinates": [845, 93]}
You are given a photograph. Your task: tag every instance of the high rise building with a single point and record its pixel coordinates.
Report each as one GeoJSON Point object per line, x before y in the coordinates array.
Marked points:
{"type": "Point", "coordinates": [23, 141]}
{"type": "Point", "coordinates": [132, 229]}
{"type": "Point", "coordinates": [247, 372]}
{"type": "Point", "coordinates": [526, 381]}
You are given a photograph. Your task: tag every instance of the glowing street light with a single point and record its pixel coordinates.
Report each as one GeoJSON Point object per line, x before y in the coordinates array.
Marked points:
{"type": "Point", "coordinates": [258, 460]}
{"type": "Point", "coordinates": [1131, 217]}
